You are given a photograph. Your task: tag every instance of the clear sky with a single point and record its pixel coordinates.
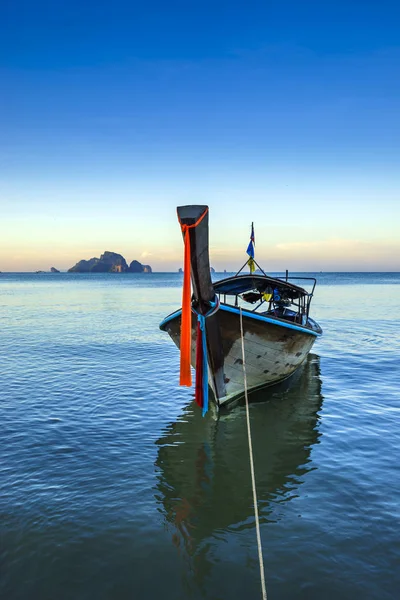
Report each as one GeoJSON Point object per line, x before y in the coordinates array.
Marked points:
{"type": "Point", "coordinates": [282, 113]}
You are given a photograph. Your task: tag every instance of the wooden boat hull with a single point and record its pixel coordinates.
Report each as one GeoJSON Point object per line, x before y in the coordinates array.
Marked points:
{"type": "Point", "coordinates": [273, 349]}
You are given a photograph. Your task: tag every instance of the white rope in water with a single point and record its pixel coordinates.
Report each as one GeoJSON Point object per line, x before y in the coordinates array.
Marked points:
{"type": "Point", "coordinates": [253, 478]}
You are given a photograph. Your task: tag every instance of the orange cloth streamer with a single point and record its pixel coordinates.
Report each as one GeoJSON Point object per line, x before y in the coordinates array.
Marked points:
{"type": "Point", "coordinates": [186, 319]}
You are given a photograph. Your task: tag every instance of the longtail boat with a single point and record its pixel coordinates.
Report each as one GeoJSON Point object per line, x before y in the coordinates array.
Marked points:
{"type": "Point", "coordinates": [269, 314]}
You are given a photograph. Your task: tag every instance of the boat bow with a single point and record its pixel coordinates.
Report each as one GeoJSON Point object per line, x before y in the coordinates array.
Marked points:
{"type": "Point", "coordinates": [194, 224]}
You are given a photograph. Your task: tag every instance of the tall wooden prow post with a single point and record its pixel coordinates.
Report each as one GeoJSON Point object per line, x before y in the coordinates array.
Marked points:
{"type": "Point", "coordinates": [194, 223]}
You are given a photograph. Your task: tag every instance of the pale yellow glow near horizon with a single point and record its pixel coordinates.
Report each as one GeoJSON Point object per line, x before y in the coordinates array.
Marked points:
{"type": "Point", "coordinates": [39, 239]}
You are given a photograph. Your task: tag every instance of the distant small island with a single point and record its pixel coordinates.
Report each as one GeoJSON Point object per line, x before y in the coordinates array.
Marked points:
{"type": "Point", "coordinates": [109, 262]}
{"type": "Point", "coordinates": [52, 270]}
{"type": "Point", "coordinates": [212, 270]}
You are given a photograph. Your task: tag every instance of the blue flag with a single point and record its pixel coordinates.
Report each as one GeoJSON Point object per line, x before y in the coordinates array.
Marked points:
{"type": "Point", "coordinates": [252, 243]}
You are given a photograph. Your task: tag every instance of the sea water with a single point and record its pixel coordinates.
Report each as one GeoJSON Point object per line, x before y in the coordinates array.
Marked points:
{"type": "Point", "coordinates": [114, 487]}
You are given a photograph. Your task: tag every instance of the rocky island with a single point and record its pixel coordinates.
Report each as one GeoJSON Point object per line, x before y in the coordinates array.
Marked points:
{"type": "Point", "coordinates": [109, 262]}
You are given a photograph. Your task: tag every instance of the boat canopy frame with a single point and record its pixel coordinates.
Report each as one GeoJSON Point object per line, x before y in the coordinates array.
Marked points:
{"type": "Point", "coordinates": [278, 292]}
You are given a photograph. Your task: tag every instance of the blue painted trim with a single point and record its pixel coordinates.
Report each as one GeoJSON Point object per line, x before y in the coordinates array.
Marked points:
{"type": "Point", "coordinates": [170, 317]}
{"type": "Point", "coordinates": [202, 321]}
{"type": "Point", "coordinates": [214, 306]}
{"type": "Point", "coordinates": [257, 317]}
{"type": "Point", "coordinates": [252, 315]}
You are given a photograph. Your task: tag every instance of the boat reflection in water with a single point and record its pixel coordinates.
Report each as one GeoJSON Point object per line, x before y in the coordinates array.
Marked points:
{"type": "Point", "coordinates": [204, 486]}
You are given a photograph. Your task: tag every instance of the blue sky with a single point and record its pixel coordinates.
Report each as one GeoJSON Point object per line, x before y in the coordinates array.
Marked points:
{"type": "Point", "coordinates": [287, 114]}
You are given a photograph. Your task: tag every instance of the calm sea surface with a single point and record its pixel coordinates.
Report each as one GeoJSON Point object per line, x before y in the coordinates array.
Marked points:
{"type": "Point", "coordinates": [114, 487]}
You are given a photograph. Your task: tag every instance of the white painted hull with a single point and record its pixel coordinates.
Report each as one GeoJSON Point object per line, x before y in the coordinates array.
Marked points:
{"type": "Point", "coordinates": [266, 363]}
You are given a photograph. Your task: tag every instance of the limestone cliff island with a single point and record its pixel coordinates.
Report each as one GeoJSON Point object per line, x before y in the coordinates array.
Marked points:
{"type": "Point", "coordinates": [109, 262]}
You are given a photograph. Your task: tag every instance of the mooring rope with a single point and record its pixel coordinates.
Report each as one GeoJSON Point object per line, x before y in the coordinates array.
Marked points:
{"type": "Point", "coordinates": [253, 478]}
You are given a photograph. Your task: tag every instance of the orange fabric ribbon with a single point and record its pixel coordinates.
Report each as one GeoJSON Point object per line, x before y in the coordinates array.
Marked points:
{"type": "Point", "coordinates": [186, 319]}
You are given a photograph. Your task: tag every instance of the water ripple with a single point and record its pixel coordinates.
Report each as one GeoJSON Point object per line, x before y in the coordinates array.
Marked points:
{"type": "Point", "coordinates": [112, 486]}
